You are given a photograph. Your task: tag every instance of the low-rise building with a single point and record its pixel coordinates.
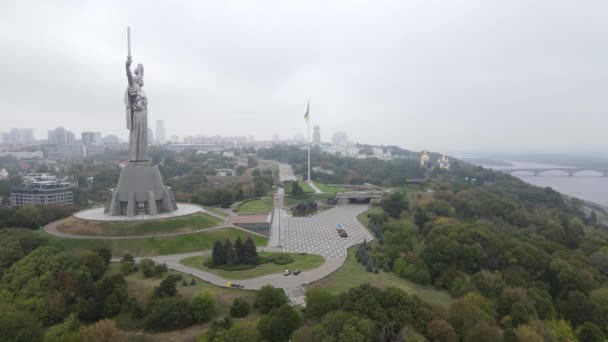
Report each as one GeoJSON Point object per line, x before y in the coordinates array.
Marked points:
{"type": "Point", "coordinates": [42, 189]}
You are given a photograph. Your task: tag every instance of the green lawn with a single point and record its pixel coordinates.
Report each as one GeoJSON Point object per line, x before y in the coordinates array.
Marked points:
{"type": "Point", "coordinates": [305, 187]}
{"type": "Point", "coordinates": [290, 200]}
{"type": "Point", "coordinates": [301, 262]}
{"type": "Point", "coordinates": [328, 188]}
{"type": "Point", "coordinates": [258, 206]}
{"type": "Point", "coordinates": [353, 274]}
{"type": "Point", "coordinates": [189, 223]}
{"type": "Point", "coordinates": [156, 245]}
{"type": "Point", "coordinates": [218, 211]}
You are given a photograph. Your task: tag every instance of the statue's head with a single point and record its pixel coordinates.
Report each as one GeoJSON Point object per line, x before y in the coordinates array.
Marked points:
{"type": "Point", "coordinates": [138, 76]}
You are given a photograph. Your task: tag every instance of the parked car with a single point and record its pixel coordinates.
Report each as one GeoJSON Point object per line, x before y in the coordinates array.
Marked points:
{"type": "Point", "coordinates": [286, 272]}
{"type": "Point", "coordinates": [296, 272]}
{"type": "Point", "coordinates": [342, 233]}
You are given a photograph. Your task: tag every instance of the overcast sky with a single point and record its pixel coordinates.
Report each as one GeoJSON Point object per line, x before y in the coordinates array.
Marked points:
{"type": "Point", "coordinates": [445, 75]}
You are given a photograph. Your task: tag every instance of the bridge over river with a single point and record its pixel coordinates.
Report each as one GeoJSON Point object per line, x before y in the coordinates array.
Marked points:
{"type": "Point", "coordinates": [570, 171]}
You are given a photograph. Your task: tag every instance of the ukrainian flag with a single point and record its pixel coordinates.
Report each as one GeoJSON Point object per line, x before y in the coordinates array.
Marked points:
{"type": "Point", "coordinates": [307, 115]}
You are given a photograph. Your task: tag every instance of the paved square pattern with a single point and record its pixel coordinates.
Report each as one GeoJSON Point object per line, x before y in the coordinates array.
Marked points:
{"type": "Point", "coordinates": [318, 234]}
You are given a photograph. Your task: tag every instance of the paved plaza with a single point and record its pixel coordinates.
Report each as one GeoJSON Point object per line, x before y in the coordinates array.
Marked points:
{"type": "Point", "coordinates": [97, 214]}
{"type": "Point", "coordinates": [318, 234]}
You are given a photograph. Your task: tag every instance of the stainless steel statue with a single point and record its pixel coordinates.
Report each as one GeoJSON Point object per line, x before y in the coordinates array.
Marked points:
{"type": "Point", "coordinates": [140, 189]}
{"type": "Point", "coordinates": [137, 110]}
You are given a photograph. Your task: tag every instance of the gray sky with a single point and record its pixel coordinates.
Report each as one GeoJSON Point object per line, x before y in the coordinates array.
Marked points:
{"type": "Point", "coordinates": [446, 75]}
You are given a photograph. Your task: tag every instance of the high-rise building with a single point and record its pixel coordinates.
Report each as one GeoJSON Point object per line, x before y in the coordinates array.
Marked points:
{"type": "Point", "coordinates": [91, 138]}
{"type": "Point", "coordinates": [150, 136]}
{"type": "Point", "coordinates": [70, 138]}
{"type": "Point", "coordinates": [5, 138]}
{"type": "Point", "coordinates": [21, 136]}
{"type": "Point", "coordinates": [61, 136]}
{"type": "Point", "coordinates": [316, 135]}
{"type": "Point", "coordinates": [160, 132]}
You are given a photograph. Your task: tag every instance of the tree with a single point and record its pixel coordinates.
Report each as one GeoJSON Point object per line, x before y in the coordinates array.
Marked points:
{"type": "Point", "coordinates": [94, 263]}
{"type": "Point", "coordinates": [464, 316]}
{"type": "Point", "coordinates": [593, 218]}
{"type": "Point", "coordinates": [279, 324]}
{"type": "Point", "coordinates": [104, 253]}
{"type": "Point", "coordinates": [341, 326]}
{"type": "Point", "coordinates": [395, 204]}
{"type": "Point", "coordinates": [483, 332]}
{"type": "Point", "coordinates": [590, 332]}
{"type": "Point", "coordinates": [239, 308]}
{"type": "Point", "coordinates": [318, 303]}
{"type": "Point", "coordinates": [102, 331]}
{"type": "Point", "coordinates": [239, 248]}
{"type": "Point", "coordinates": [127, 258]}
{"type": "Point", "coordinates": [251, 252]}
{"type": "Point", "coordinates": [167, 287]}
{"type": "Point", "coordinates": [147, 267]}
{"type": "Point", "coordinates": [68, 331]}
{"type": "Point", "coordinates": [218, 254]}
{"type": "Point", "coordinates": [127, 268]}
{"type": "Point", "coordinates": [203, 307]}
{"type": "Point", "coordinates": [168, 313]}
{"type": "Point", "coordinates": [269, 298]}
{"type": "Point", "coordinates": [371, 264]}
{"type": "Point", "coordinates": [440, 331]}
{"type": "Point", "coordinates": [19, 325]}
{"type": "Point", "coordinates": [231, 258]}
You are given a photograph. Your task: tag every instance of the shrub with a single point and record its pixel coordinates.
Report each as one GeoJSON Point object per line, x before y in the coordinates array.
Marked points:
{"type": "Point", "coordinates": [240, 308]}
{"type": "Point", "coordinates": [281, 259]}
{"type": "Point", "coordinates": [168, 313]}
{"type": "Point", "coordinates": [127, 268]}
{"type": "Point", "coordinates": [269, 298]}
{"type": "Point", "coordinates": [203, 307]}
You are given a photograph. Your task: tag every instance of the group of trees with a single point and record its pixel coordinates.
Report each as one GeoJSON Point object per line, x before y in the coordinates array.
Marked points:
{"type": "Point", "coordinates": [348, 170]}
{"type": "Point", "coordinates": [367, 313]}
{"type": "Point", "coordinates": [34, 217]}
{"type": "Point", "coordinates": [305, 209]}
{"type": "Point", "coordinates": [234, 254]}
{"type": "Point", "coordinates": [521, 261]}
{"type": "Point", "coordinates": [51, 294]}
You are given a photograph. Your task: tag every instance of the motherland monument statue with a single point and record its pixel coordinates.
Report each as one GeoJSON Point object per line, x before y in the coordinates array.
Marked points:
{"type": "Point", "coordinates": [140, 189]}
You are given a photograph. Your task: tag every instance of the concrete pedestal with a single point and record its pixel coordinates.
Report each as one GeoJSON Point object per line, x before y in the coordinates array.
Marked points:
{"type": "Point", "coordinates": [140, 191]}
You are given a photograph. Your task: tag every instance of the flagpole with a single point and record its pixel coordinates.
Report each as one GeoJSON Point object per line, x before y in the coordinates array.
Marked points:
{"type": "Point", "coordinates": [308, 126]}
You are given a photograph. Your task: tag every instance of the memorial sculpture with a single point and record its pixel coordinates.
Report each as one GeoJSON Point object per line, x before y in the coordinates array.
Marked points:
{"type": "Point", "coordinates": [140, 189]}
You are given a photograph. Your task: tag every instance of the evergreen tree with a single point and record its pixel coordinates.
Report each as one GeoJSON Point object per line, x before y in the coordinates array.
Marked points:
{"type": "Point", "coordinates": [371, 264]}
{"type": "Point", "coordinates": [218, 254]}
{"type": "Point", "coordinates": [364, 256]}
{"type": "Point", "coordinates": [593, 218]}
{"type": "Point", "coordinates": [229, 250]}
{"type": "Point", "coordinates": [251, 252]}
{"type": "Point", "coordinates": [231, 258]}
{"type": "Point", "coordinates": [239, 248]}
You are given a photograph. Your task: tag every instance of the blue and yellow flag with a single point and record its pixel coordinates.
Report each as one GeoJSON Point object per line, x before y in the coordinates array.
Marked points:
{"type": "Point", "coordinates": [307, 115]}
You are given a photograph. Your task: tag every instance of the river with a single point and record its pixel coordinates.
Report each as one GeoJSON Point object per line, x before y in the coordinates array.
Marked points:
{"type": "Point", "coordinates": [586, 185]}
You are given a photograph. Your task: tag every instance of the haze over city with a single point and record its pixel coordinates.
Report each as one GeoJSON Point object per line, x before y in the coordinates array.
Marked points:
{"type": "Point", "coordinates": [444, 75]}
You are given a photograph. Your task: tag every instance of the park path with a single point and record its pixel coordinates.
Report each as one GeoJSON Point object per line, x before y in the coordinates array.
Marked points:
{"type": "Point", "coordinates": [314, 187]}
{"type": "Point", "coordinates": [286, 173]}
